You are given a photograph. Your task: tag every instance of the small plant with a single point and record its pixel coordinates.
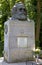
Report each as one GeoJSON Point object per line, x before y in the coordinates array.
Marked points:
{"type": "Point", "coordinates": [40, 55]}
{"type": "Point", "coordinates": [36, 52]}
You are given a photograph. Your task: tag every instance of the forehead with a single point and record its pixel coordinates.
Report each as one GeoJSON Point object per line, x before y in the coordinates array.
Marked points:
{"type": "Point", "coordinates": [20, 6]}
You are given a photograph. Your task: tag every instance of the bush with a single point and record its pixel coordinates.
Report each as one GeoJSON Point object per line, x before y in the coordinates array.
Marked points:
{"type": "Point", "coordinates": [1, 48]}
{"type": "Point", "coordinates": [40, 55]}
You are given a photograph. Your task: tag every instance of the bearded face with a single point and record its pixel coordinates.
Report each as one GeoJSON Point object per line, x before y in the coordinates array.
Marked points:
{"type": "Point", "coordinates": [19, 12]}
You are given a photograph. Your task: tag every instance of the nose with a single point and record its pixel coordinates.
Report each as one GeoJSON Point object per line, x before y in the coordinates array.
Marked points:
{"type": "Point", "coordinates": [22, 9]}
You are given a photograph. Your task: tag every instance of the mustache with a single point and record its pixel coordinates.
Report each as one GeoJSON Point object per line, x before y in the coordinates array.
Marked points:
{"type": "Point", "coordinates": [22, 13]}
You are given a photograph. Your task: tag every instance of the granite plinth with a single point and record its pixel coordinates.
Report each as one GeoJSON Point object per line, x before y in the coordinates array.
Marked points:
{"type": "Point", "coordinates": [19, 40]}
{"type": "Point", "coordinates": [2, 62]}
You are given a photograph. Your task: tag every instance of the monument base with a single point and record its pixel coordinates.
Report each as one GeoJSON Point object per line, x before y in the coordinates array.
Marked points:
{"type": "Point", "coordinates": [2, 62]}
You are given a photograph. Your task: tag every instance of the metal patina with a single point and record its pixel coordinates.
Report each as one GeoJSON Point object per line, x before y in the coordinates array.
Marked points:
{"type": "Point", "coordinates": [19, 12]}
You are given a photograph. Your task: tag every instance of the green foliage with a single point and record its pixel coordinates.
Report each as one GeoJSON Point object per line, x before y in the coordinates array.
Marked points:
{"type": "Point", "coordinates": [37, 43]}
{"type": "Point", "coordinates": [40, 55]}
{"type": "Point", "coordinates": [31, 9]}
{"type": "Point", "coordinates": [4, 14]}
{"type": "Point", "coordinates": [1, 48]}
{"type": "Point", "coordinates": [31, 6]}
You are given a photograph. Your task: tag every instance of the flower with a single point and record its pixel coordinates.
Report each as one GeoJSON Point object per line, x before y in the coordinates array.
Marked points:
{"type": "Point", "coordinates": [36, 51]}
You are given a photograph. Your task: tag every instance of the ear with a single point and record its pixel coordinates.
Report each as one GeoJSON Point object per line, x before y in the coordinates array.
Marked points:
{"type": "Point", "coordinates": [14, 10]}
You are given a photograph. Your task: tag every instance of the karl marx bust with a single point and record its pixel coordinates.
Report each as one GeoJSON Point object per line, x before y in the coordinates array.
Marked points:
{"type": "Point", "coordinates": [19, 12]}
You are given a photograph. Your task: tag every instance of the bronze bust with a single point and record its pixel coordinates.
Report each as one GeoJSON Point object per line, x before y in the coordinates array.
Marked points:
{"type": "Point", "coordinates": [19, 12]}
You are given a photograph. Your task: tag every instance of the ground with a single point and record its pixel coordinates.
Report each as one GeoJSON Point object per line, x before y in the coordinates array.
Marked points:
{"type": "Point", "coordinates": [2, 62]}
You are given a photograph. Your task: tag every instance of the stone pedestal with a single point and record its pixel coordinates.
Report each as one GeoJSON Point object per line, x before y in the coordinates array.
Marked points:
{"type": "Point", "coordinates": [19, 40]}
{"type": "Point", "coordinates": [2, 62]}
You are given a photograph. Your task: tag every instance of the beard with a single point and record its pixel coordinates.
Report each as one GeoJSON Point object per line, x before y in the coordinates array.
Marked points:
{"type": "Point", "coordinates": [21, 16]}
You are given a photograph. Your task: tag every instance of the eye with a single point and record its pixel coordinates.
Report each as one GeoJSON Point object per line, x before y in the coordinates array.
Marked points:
{"type": "Point", "coordinates": [24, 9]}
{"type": "Point", "coordinates": [20, 9]}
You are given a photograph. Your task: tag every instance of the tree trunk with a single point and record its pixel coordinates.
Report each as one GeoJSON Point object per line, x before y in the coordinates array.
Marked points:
{"type": "Point", "coordinates": [38, 22]}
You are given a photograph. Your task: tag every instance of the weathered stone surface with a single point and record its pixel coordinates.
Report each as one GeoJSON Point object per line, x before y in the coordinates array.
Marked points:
{"type": "Point", "coordinates": [2, 62]}
{"type": "Point", "coordinates": [19, 41]}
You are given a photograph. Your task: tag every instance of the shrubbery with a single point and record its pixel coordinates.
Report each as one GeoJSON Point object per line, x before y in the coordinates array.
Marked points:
{"type": "Point", "coordinates": [1, 48]}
